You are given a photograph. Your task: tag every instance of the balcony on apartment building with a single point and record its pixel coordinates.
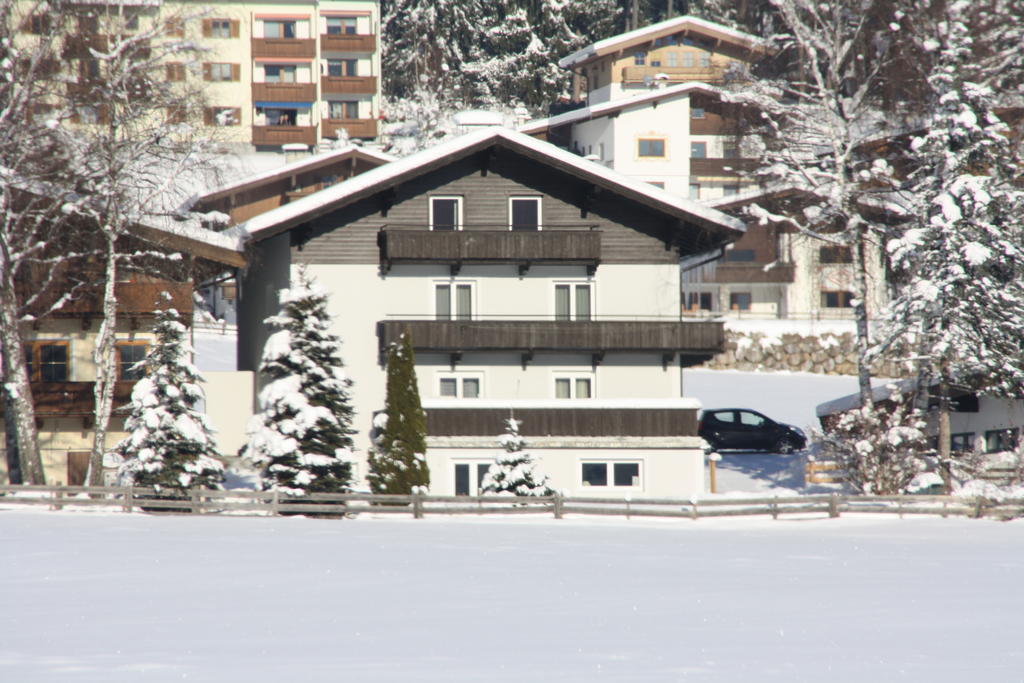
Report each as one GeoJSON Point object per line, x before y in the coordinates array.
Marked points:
{"type": "Point", "coordinates": [698, 341]}
{"type": "Point", "coordinates": [74, 399]}
{"type": "Point", "coordinates": [133, 298]}
{"type": "Point", "coordinates": [490, 244]}
{"type": "Point", "coordinates": [284, 135]}
{"type": "Point", "coordinates": [635, 75]}
{"type": "Point", "coordinates": [356, 128]}
{"type": "Point", "coordinates": [713, 124]}
{"type": "Point", "coordinates": [349, 85]}
{"type": "Point", "coordinates": [716, 168]}
{"type": "Point", "coordinates": [576, 418]}
{"type": "Point", "coordinates": [284, 92]}
{"type": "Point", "coordinates": [81, 45]}
{"type": "Point", "coordinates": [348, 42]}
{"type": "Point", "coordinates": [775, 272]}
{"type": "Point", "coordinates": [293, 48]}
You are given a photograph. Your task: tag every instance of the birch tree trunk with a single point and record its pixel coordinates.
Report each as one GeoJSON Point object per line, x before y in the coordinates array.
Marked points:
{"type": "Point", "coordinates": [106, 367]}
{"type": "Point", "coordinates": [17, 390]}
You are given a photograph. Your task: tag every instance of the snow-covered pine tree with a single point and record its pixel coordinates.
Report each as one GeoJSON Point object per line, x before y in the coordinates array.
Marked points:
{"type": "Point", "coordinates": [170, 444]}
{"type": "Point", "coordinates": [961, 267]}
{"type": "Point", "coordinates": [398, 461]}
{"type": "Point", "coordinates": [302, 436]}
{"type": "Point", "coordinates": [514, 472]}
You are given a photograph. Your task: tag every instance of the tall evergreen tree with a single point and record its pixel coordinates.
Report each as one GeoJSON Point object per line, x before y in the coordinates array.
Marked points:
{"type": "Point", "coordinates": [170, 444]}
{"type": "Point", "coordinates": [398, 461]}
{"type": "Point", "coordinates": [514, 472]}
{"type": "Point", "coordinates": [302, 435]}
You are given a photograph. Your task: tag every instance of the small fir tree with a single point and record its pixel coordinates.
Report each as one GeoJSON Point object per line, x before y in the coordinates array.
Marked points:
{"type": "Point", "coordinates": [302, 436]}
{"type": "Point", "coordinates": [170, 444]}
{"type": "Point", "coordinates": [398, 461]}
{"type": "Point", "coordinates": [514, 472]}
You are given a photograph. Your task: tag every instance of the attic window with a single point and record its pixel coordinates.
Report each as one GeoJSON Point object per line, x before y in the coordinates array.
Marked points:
{"type": "Point", "coordinates": [640, 59]}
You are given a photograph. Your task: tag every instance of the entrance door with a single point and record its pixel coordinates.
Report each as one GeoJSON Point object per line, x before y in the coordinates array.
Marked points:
{"type": "Point", "coordinates": [78, 467]}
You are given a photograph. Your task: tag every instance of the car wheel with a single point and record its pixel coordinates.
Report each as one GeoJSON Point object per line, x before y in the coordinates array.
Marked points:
{"type": "Point", "coordinates": [785, 445]}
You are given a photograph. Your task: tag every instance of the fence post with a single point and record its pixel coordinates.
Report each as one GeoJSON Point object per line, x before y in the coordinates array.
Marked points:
{"type": "Point", "coordinates": [194, 494]}
{"type": "Point", "coordinates": [693, 509]}
{"type": "Point", "coordinates": [979, 508]}
{"type": "Point", "coordinates": [558, 506]}
{"type": "Point", "coordinates": [58, 495]}
{"type": "Point", "coordinates": [775, 509]}
{"type": "Point", "coordinates": [417, 506]}
{"type": "Point", "coordinates": [274, 500]}
{"type": "Point", "coordinates": [833, 506]}
{"type": "Point", "coordinates": [129, 496]}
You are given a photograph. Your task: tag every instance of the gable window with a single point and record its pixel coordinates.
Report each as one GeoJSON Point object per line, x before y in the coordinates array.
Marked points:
{"type": "Point", "coordinates": [458, 387]}
{"type": "Point", "coordinates": [739, 301]}
{"type": "Point", "coordinates": [705, 60]}
{"type": "Point", "coordinates": [465, 485]}
{"type": "Point", "coordinates": [279, 73]}
{"type": "Point", "coordinates": [128, 355]}
{"type": "Point", "coordinates": [524, 213]}
{"type": "Point", "coordinates": [337, 26]}
{"type": "Point", "coordinates": [639, 59]}
{"type": "Point", "coordinates": [698, 150]}
{"type": "Point", "coordinates": [650, 147]}
{"type": "Point", "coordinates": [688, 60]}
{"type": "Point", "coordinates": [574, 387]}
{"type": "Point", "coordinates": [621, 474]}
{"type": "Point", "coordinates": [446, 213]}
{"type": "Point", "coordinates": [47, 361]}
{"type": "Point", "coordinates": [673, 59]}
{"type": "Point", "coordinates": [696, 112]}
{"type": "Point", "coordinates": [278, 29]}
{"type": "Point", "coordinates": [453, 300]}
{"type": "Point", "coordinates": [346, 109]}
{"type": "Point", "coordinates": [836, 299]}
{"type": "Point", "coordinates": [572, 302]}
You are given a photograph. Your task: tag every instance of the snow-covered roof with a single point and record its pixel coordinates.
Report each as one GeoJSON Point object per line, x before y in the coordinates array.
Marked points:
{"type": "Point", "coordinates": [295, 168]}
{"type": "Point", "coordinates": [752, 195]}
{"type": "Point", "coordinates": [479, 117]}
{"type": "Point", "coordinates": [358, 187]}
{"type": "Point", "coordinates": [852, 401]}
{"type": "Point", "coordinates": [663, 28]}
{"type": "Point", "coordinates": [563, 403]}
{"type": "Point", "coordinates": [191, 237]}
{"type": "Point", "coordinates": [608, 108]}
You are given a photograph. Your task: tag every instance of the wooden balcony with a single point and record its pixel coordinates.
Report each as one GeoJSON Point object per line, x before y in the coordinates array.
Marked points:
{"type": "Point", "coordinates": [699, 340]}
{"type": "Point", "coordinates": [754, 272]}
{"type": "Point", "coordinates": [348, 43]}
{"type": "Point", "coordinates": [283, 135]}
{"type": "Point", "coordinates": [284, 47]}
{"type": "Point", "coordinates": [73, 399]}
{"type": "Point", "coordinates": [567, 422]}
{"type": "Point", "coordinates": [349, 85]}
{"type": "Point", "coordinates": [474, 246]}
{"type": "Point", "coordinates": [284, 92]}
{"type": "Point", "coordinates": [713, 124]}
{"type": "Point", "coordinates": [716, 168]}
{"type": "Point", "coordinates": [676, 74]}
{"type": "Point", "coordinates": [78, 46]}
{"type": "Point", "coordinates": [356, 128]}
{"type": "Point", "coordinates": [133, 298]}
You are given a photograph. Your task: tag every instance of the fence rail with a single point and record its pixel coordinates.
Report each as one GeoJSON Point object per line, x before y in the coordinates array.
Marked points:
{"type": "Point", "coordinates": [272, 503]}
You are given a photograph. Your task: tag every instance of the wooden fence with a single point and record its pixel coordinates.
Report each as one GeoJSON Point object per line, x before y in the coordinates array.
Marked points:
{"type": "Point", "coordinates": [270, 503]}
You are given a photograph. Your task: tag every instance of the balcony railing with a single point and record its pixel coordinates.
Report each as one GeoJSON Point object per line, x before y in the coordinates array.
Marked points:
{"type": "Point", "coordinates": [356, 128]}
{"type": "Point", "coordinates": [675, 74]}
{"type": "Point", "coordinates": [473, 245]}
{"type": "Point", "coordinates": [571, 421]}
{"type": "Point", "coordinates": [754, 272]}
{"type": "Point", "coordinates": [71, 399]}
{"type": "Point", "coordinates": [284, 47]}
{"type": "Point", "coordinates": [133, 298]}
{"type": "Point", "coordinates": [348, 43]}
{"type": "Point", "coordinates": [349, 85]}
{"type": "Point", "coordinates": [721, 167]}
{"type": "Point", "coordinates": [699, 339]}
{"type": "Point", "coordinates": [284, 92]}
{"type": "Point", "coordinates": [283, 135]}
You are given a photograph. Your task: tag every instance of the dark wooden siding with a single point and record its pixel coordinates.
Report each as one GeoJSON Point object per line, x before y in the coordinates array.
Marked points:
{"type": "Point", "coordinates": [490, 246]}
{"type": "Point", "coordinates": [631, 231]}
{"type": "Point", "coordinates": [563, 421]}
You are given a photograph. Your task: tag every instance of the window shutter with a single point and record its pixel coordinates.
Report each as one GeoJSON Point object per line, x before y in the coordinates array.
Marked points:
{"type": "Point", "coordinates": [236, 113]}
{"type": "Point", "coordinates": [206, 71]}
{"type": "Point", "coordinates": [234, 28]}
{"type": "Point", "coordinates": [236, 72]}
{"type": "Point", "coordinates": [208, 117]}
{"type": "Point", "coordinates": [102, 114]}
{"type": "Point", "coordinates": [207, 28]}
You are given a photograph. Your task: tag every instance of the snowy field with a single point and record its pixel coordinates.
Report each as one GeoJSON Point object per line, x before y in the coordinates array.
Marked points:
{"type": "Point", "coordinates": [113, 597]}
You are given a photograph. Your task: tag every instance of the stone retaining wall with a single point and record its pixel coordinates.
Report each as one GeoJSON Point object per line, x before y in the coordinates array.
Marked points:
{"type": "Point", "coordinates": [825, 354]}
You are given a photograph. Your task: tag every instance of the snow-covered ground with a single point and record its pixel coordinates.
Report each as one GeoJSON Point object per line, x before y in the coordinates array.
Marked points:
{"type": "Point", "coordinates": [113, 597]}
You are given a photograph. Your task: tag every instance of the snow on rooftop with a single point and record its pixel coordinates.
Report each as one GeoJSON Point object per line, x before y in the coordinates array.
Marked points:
{"type": "Point", "coordinates": [479, 117]}
{"type": "Point", "coordinates": [367, 182]}
{"type": "Point", "coordinates": [605, 108]}
{"type": "Point", "coordinates": [565, 403]}
{"type": "Point", "coordinates": [654, 31]}
{"type": "Point", "coordinates": [852, 401]}
{"type": "Point", "coordinates": [192, 229]}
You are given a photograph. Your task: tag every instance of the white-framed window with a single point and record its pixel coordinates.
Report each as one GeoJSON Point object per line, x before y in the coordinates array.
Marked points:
{"type": "Point", "coordinates": [688, 60]}
{"type": "Point", "coordinates": [221, 71]}
{"type": "Point", "coordinates": [705, 60]}
{"type": "Point", "coordinates": [279, 29]}
{"type": "Point", "coordinates": [220, 28]}
{"type": "Point", "coordinates": [639, 58]}
{"type": "Point", "coordinates": [342, 109]}
{"type": "Point", "coordinates": [342, 67]}
{"type": "Point", "coordinates": [469, 476]}
{"type": "Point", "coordinates": [453, 300]}
{"type": "Point", "coordinates": [574, 385]}
{"type": "Point", "coordinates": [337, 26]}
{"type": "Point", "coordinates": [524, 213]}
{"type": "Point", "coordinates": [446, 213]}
{"type": "Point", "coordinates": [624, 474]}
{"type": "Point", "coordinates": [574, 301]}
{"type": "Point", "coordinates": [278, 73]}
{"type": "Point", "coordinates": [459, 385]}
{"type": "Point", "coordinates": [672, 58]}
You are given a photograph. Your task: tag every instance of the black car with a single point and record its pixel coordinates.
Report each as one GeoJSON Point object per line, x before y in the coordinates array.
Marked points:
{"type": "Point", "coordinates": [748, 430]}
